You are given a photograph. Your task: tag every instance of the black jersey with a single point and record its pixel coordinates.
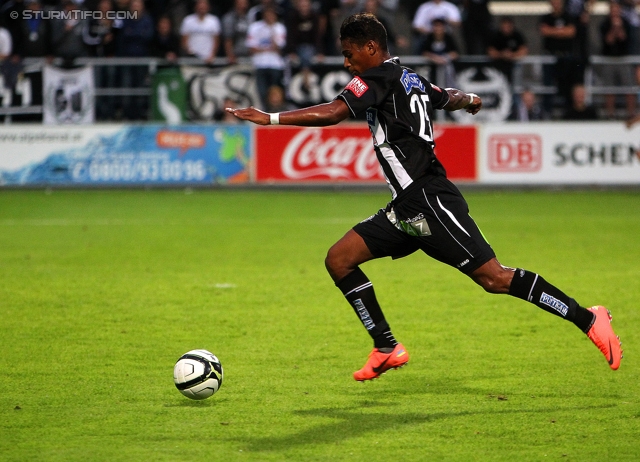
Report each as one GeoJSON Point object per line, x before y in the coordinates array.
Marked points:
{"type": "Point", "coordinates": [399, 106]}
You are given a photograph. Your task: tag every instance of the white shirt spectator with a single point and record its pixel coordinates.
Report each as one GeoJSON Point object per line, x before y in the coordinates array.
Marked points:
{"type": "Point", "coordinates": [6, 45]}
{"type": "Point", "coordinates": [261, 35]}
{"type": "Point", "coordinates": [435, 9]}
{"type": "Point", "coordinates": [201, 34]}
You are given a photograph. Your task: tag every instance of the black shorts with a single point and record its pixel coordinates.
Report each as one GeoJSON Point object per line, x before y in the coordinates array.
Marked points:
{"type": "Point", "coordinates": [433, 217]}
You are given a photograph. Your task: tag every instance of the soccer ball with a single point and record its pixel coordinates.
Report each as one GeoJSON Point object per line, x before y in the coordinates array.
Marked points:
{"type": "Point", "coordinates": [198, 374]}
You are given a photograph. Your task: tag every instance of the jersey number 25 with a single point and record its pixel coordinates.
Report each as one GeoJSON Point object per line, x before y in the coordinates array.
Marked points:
{"type": "Point", "coordinates": [419, 104]}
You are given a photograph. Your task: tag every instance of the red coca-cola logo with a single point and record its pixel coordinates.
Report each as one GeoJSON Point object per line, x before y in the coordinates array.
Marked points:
{"type": "Point", "coordinates": [318, 153]}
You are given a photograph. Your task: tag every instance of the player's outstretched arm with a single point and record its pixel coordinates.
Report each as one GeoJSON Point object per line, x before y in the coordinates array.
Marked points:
{"type": "Point", "coordinates": [461, 100]}
{"type": "Point", "coordinates": [319, 115]}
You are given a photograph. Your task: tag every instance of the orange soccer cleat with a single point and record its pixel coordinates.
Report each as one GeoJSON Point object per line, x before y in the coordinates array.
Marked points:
{"type": "Point", "coordinates": [602, 335]}
{"type": "Point", "coordinates": [379, 363]}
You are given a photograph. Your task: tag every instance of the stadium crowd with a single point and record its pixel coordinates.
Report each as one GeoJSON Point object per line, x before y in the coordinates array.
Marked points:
{"type": "Point", "coordinates": [272, 34]}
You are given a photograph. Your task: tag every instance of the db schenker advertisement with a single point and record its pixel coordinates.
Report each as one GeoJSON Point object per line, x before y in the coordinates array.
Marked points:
{"type": "Point", "coordinates": [124, 155]}
{"type": "Point", "coordinates": [560, 153]}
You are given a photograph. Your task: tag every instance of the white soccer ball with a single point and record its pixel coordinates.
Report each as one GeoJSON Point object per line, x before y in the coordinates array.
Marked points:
{"type": "Point", "coordinates": [198, 374]}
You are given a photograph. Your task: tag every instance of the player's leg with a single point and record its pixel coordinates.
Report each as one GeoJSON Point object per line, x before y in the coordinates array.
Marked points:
{"type": "Point", "coordinates": [533, 288]}
{"type": "Point", "coordinates": [343, 264]}
{"type": "Point", "coordinates": [373, 238]}
{"type": "Point", "coordinates": [456, 240]}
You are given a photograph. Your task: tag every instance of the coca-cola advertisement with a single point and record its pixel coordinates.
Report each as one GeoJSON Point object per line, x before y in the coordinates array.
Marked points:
{"type": "Point", "coordinates": [344, 153]}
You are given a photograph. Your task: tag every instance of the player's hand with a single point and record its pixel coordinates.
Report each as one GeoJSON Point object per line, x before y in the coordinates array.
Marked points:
{"type": "Point", "coordinates": [474, 107]}
{"type": "Point", "coordinates": [251, 114]}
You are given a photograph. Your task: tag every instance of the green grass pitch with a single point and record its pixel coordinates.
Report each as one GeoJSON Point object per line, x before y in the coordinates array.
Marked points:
{"type": "Point", "coordinates": [102, 291]}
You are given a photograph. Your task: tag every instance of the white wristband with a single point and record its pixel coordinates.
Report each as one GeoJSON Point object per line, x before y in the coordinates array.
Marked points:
{"type": "Point", "coordinates": [471, 96]}
{"type": "Point", "coordinates": [275, 118]}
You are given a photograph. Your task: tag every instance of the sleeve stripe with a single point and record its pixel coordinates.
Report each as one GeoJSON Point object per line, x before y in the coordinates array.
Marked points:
{"type": "Point", "coordinates": [345, 100]}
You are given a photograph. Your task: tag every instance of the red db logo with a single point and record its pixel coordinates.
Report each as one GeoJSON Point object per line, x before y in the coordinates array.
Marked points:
{"type": "Point", "coordinates": [515, 153]}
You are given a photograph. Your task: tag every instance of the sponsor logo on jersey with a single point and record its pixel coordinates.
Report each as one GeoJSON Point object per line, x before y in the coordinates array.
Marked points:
{"type": "Point", "coordinates": [371, 116]}
{"type": "Point", "coordinates": [357, 87]}
{"type": "Point", "coordinates": [411, 80]}
{"type": "Point", "coordinates": [554, 303]}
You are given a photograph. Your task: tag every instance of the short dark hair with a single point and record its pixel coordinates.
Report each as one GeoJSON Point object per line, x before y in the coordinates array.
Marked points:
{"type": "Point", "coordinates": [361, 27]}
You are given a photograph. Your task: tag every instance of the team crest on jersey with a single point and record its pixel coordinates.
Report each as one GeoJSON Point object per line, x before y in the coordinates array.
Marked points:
{"type": "Point", "coordinates": [357, 87]}
{"type": "Point", "coordinates": [411, 80]}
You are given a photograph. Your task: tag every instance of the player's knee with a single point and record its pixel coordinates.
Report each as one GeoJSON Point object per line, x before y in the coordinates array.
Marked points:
{"type": "Point", "coordinates": [333, 262]}
{"type": "Point", "coordinates": [493, 284]}
{"type": "Point", "coordinates": [337, 263]}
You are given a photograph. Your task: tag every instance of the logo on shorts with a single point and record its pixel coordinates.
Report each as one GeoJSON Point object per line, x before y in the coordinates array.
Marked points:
{"type": "Point", "coordinates": [357, 87]}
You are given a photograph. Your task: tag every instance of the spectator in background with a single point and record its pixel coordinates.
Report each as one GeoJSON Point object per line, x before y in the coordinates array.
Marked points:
{"type": "Point", "coordinates": [276, 101]}
{"type": "Point", "coordinates": [235, 25]}
{"type": "Point", "coordinates": [135, 40]}
{"type": "Point", "coordinates": [304, 42]}
{"type": "Point", "coordinates": [101, 39]}
{"type": "Point", "coordinates": [399, 42]}
{"type": "Point", "coordinates": [200, 33]}
{"type": "Point", "coordinates": [579, 109]}
{"type": "Point", "coordinates": [349, 7]}
{"type": "Point", "coordinates": [615, 34]}
{"type": "Point", "coordinates": [507, 47]}
{"type": "Point", "coordinates": [630, 13]}
{"type": "Point", "coordinates": [6, 44]}
{"type": "Point", "coordinates": [387, 7]}
{"type": "Point", "coordinates": [440, 47]}
{"type": "Point", "coordinates": [266, 39]}
{"type": "Point", "coordinates": [101, 32]}
{"type": "Point", "coordinates": [477, 26]}
{"type": "Point", "coordinates": [221, 7]}
{"type": "Point", "coordinates": [427, 12]}
{"type": "Point", "coordinates": [177, 10]}
{"type": "Point", "coordinates": [32, 37]}
{"type": "Point", "coordinates": [166, 44]}
{"type": "Point", "coordinates": [580, 12]}
{"type": "Point", "coordinates": [527, 108]}
{"type": "Point", "coordinates": [329, 13]}
{"type": "Point", "coordinates": [67, 34]}
{"type": "Point", "coordinates": [122, 5]}
{"type": "Point", "coordinates": [10, 64]}
{"type": "Point", "coordinates": [256, 12]}
{"type": "Point", "coordinates": [558, 34]}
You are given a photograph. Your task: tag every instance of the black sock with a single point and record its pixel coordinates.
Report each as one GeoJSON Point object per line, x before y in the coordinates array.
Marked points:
{"type": "Point", "coordinates": [533, 288]}
{"type": "Point", "coordinates": [358, 291]}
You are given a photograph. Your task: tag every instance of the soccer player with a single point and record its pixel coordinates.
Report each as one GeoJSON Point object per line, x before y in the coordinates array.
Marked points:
{"type": "Point", "coordinates": [427, 211]}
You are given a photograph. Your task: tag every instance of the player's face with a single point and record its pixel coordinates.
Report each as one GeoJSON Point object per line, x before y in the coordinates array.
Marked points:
{"type": "Point", "coordinates": [357, 58]}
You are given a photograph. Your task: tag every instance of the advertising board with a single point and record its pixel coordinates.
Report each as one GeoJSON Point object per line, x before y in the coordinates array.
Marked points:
{"type": "Point", "coordinates": [124, 155]}
{"type": "Point", "coordinates": [344, 153]}
{"type": "Point", "coordinates": [560, 153]}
